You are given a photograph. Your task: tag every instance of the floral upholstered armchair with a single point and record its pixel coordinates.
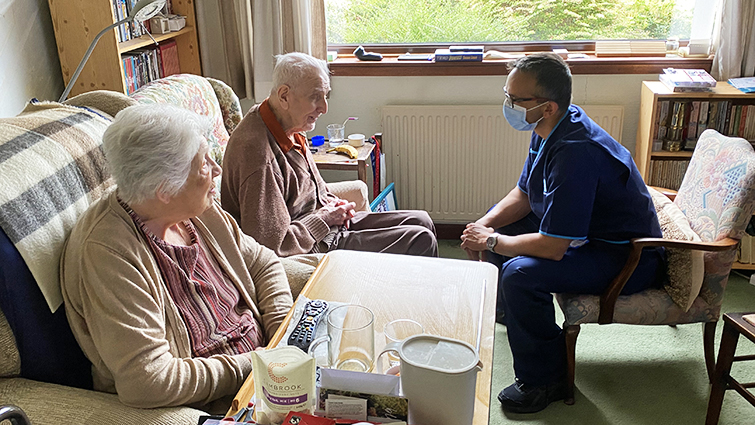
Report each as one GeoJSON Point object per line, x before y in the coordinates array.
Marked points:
{"type": "Point", "coordinates": [716, 201]}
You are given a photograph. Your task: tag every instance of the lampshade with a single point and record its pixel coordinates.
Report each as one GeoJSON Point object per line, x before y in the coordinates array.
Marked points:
{"type": "Point", "coordinates": [142, 10]}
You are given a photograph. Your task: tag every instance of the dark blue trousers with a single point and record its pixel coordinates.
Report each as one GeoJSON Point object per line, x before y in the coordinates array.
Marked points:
{"type": "Point", "coordinates": [524, 292]}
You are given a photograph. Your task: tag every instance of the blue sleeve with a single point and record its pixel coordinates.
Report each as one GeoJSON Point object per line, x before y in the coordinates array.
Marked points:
{"type": "Point", "coordinates": [527, 169]}
{"type": "Point", "coordinates": [569, 191]}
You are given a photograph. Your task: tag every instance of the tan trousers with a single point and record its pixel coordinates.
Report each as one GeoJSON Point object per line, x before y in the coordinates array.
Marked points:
{"type": "Point", "coordinates": [397, 232]}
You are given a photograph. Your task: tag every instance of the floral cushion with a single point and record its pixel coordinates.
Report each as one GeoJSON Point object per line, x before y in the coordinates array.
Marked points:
{"type": "Point", "coordinates": [229, 104]}
{"type": "Point", "coordinates": [194, 93]}
{"type": "Point", "coordinates": [686, 268]}
{"type": "Point", "coordinates": [718, 198]}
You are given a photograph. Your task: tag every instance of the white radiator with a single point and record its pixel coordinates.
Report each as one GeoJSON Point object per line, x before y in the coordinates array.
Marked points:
{"type": "Point", "coordinates": [456, 161]}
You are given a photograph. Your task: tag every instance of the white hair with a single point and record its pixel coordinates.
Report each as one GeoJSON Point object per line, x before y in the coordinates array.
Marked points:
{"type": "Point", "coordinates": [294, 68]}
{"type": "Point", "coordinates": [149, 149]}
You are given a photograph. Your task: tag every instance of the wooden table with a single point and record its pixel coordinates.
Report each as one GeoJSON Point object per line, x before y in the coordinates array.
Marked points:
{"type": "Point", "coordinates": [452, 298]}
{"type": "Point", "coordinates": [339, 161]}
{"type": "Point", "coordinates": [734, 325]}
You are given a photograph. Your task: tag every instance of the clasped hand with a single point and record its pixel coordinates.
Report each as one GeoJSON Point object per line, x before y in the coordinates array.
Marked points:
{"type": "Point", "coordinates": [338, 213]}
{"type": "Point", "coordinates": [474, 239]}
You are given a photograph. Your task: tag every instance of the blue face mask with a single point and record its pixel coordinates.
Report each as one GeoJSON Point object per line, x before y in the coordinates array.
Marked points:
{"type": "Point", "coordinates": [517, 116]}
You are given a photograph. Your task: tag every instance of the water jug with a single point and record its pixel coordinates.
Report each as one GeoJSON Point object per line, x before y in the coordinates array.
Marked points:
{"type": "Point", "coordinates": [438, 377]}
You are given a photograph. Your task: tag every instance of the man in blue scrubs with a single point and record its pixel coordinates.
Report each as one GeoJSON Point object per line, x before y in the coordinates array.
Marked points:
{"type": "Point", "coordinates": [564, 228]}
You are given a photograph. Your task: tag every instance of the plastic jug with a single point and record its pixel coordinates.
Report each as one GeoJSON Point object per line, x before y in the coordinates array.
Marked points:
{"type": "Point", "coordinates": [438, 377]}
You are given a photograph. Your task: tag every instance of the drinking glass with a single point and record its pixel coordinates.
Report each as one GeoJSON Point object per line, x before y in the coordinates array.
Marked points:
{"type": "Point", "coordinates": [335, 134]}
{"type": "Point", "coordinates": [397, 331]}
{"type": "Point", "coordinates": [350, 338]}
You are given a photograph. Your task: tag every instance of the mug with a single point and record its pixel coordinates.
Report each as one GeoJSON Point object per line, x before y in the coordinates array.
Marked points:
{"type": "Point", "coordinates": [356, 140]}
{"type": "Point", "coordinates": [350, 339]}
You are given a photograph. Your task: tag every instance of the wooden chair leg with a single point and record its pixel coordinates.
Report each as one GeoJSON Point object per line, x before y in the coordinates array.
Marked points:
{"type": "Point", "coordinates": [729, 340]}
{"type": "Point", "coordinates": [709, 335]}
{"type": "Point", "coordinates": [571, 333]}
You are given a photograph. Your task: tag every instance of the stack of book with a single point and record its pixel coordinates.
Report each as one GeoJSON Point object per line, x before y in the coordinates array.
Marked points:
{"type": "Point", "coordinates": [687, 80]}
{"type": "Point", "coordinates": [460, 54]}
{"type": "Point", "coordinates": [144, 65]}
{"type": "Point", "coordinates": [736, 120]}
{"type": "Point", "coordinates": [131, 30]}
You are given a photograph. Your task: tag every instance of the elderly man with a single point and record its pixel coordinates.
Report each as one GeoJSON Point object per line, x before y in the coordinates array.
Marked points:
{"type": "Point", "coordinates": [564, 228]}
{"type": "Point", "coordinates": [272, 187]}
{"type": "Point", "coordinates": [164, 293]}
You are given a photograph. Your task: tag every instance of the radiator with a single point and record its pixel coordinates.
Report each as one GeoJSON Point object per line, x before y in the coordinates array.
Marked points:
{"type": "Point", "coordinates": [456, 161]}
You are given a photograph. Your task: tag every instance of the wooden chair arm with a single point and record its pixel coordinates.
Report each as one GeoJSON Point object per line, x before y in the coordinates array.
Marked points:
{"type": "Point", "coordinates": [670, 193]}
{"type": "Point", "coordinates": [611, 294]}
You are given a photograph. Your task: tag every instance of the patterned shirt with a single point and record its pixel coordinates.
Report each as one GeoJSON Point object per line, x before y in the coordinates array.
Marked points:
{"type": "Point", "coordinates": [217, 319]}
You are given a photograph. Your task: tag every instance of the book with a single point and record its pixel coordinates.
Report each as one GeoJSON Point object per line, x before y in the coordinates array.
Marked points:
{"type": "Point", "coordinates": [446, 55]}
{"type": "Point", "coordinates": [669, 82]}
{"type": "Point", "coordinates": [416, 57]}
{"type": "Point", "coordinates": [479, 49]}
{"type": "Point", "coordinates": [378, 405]}
{"type": "Point", "coordinates": [663, 118]}
{"type": "Point", "coordinates": [688, 77]}
{"type": "Point", "coordinates": [744, 84]}
{"type": "Point", "coordinates": [168, 52]}
{"type": "Point", "coordinates": [702, 120]}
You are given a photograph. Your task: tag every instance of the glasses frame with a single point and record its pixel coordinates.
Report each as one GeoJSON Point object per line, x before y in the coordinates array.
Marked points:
{"type": "Point", "coordinates": [511, 101]}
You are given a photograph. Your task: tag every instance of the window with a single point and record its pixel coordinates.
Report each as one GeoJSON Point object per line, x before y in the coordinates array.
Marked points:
{"type": "Point", "coordinates": [353, 22]}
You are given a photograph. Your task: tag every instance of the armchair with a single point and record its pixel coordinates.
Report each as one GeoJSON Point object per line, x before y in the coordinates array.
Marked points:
{"type": "Point", "coordinates": [717, 196]}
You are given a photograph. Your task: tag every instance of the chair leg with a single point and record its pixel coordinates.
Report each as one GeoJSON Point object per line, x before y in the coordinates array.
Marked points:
{"type": "Point", "coordinates": [709, 335]}
{"type": "Point", "coordinates": [571, 333]}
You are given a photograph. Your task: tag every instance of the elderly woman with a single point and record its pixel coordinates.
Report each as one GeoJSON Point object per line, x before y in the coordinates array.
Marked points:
{"type": "Point", "coordinates": [164, 293]}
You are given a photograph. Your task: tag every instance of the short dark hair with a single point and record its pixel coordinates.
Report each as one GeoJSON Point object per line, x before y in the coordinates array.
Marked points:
{"type": "Point", "coordinates": [551, 73]}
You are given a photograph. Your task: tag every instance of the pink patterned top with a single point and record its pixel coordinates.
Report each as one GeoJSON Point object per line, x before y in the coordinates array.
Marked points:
{"type": "Point", "coordinates": [216, 318]}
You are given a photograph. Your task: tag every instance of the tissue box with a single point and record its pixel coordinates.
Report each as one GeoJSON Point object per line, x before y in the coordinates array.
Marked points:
{"type": "Point", "coordinates": [159, 25]}
{"type": "Point", "coordinates": [176, 22]}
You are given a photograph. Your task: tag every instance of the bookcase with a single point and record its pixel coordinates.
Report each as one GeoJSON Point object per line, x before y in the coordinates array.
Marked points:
{"type": "Point", "coordinates": [666, 169]}
{"type": "Point", "coordinates": [77, 22]}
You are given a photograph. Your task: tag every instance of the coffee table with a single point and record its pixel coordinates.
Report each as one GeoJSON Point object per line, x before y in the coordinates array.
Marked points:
{"type": "Point", "coordinates": [452, 298]}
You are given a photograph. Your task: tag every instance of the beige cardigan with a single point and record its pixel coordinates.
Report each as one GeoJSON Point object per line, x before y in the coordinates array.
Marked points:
{"type": "Point", "coordinates": [126, 323]}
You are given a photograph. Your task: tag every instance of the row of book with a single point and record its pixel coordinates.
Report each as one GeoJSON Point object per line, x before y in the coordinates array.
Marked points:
{"type": "Point", "coordinates": [131, 30]}
{"type": "Point", "coordinates": [685, 120]}
{"type": "Point", "coordinates": [144, 65]}
{"type": "Point", "coordinates": [667, 173]}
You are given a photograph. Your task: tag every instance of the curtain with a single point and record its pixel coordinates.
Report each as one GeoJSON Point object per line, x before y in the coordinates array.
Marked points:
{"type": "Point", "coordinates": [734, 40]}
{"type": "Point", "coordinates": [239, 39]}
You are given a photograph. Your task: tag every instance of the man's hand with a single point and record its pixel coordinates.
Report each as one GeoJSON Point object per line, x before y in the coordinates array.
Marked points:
{"type": "Point", "coordinates": [338, 213]}
{"type": "Point", "coordinates": [474, 240]}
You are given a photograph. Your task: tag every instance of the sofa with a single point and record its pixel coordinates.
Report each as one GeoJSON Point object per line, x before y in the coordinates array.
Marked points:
{"type": "Point", "coordinates": [51, 169]}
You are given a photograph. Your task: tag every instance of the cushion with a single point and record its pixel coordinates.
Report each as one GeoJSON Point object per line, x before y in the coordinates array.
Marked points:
{"type": "Point", "coordinates": [196, 94]}
{"type": "Point", "coordinates": [686, 268]}
{"type": "Point", "coordinates": [10, 363]}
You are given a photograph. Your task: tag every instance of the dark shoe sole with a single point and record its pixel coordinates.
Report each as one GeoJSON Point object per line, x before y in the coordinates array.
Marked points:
{"type": "Point", "coordinates": [555, 393]}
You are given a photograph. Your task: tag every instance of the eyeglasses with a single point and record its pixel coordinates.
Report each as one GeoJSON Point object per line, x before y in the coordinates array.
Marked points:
{"type": "Point", "coordinates": [511, 100]}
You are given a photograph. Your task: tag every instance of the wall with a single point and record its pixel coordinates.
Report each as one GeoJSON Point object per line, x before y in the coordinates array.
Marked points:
{"type": "Point", "coordinates": [364, 96]}
{"type": "Point", "coordinates": [29, 64]}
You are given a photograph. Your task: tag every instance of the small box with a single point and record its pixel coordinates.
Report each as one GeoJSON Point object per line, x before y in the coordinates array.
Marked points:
{"type": "Point", "coordinates": [176, 22]}
{"type": "Point", "coordinates": [159, 25]}
{"type": "Point", "coordinates": [561, 52]}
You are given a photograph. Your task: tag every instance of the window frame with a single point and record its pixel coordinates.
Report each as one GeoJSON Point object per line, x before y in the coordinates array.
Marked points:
{"type": "Point", "coordinates": [348, 65]}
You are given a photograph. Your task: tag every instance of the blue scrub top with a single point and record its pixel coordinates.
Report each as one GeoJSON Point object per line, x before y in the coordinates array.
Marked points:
{"type": "Point", "coordinates": [583, 184]}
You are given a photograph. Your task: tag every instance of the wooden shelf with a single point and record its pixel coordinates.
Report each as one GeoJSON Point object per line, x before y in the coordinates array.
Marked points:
{"type": "Point", "coordinates": [667, 154]}
{"type": "Point", "coordinates": [742, 266]}
{"type": "Point", "coordinates": [144, 40]}
{"type": "Point", "coordinates": [652, 93]}
{"type": "Point", "coordinates": [77, 22]}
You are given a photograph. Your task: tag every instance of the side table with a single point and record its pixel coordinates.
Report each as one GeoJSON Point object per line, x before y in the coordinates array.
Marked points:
{"type": "Point", "coordinates": [336, 161]}
{"type": "Point", "coordinates": [734, 325]}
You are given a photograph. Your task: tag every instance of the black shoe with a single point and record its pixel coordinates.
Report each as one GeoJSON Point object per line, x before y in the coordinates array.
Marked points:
{"type": "Point", "coordinates": [521, 398]}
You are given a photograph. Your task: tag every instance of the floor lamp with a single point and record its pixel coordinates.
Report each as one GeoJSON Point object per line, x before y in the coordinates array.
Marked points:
{"type": "Point", "coordinates": [140, 12]}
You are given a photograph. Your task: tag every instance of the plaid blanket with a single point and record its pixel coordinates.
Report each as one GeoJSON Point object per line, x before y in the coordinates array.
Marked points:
{"type": "Point", "coordinates": [51, 169]}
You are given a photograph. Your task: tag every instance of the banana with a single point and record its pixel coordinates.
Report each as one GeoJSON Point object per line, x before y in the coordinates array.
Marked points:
{"type": "Point", "coordinates": [349, 150]}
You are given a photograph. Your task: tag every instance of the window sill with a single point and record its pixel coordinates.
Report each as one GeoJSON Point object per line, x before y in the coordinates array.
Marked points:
{"type": "Point", "coordinates": [390, 66]}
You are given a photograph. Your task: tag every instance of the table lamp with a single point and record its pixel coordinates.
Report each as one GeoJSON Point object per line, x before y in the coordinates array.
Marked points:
{"type": "Point", "coordinates": [142, 10]}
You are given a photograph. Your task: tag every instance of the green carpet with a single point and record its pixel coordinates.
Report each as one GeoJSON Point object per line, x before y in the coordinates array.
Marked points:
{"type": "Point", "coordinates": [635, 374]}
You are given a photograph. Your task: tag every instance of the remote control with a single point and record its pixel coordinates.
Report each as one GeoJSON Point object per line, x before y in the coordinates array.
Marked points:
{"type": "Point", "coordinates": [304, 331]}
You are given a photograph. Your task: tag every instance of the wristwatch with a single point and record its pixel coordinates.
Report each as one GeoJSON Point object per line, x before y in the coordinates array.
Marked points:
{"type": "Point", "coordinates": [492, 241]}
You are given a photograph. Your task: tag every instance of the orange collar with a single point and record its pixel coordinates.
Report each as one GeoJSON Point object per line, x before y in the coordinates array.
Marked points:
{"type": "Point", "coordinates": [268, 117]}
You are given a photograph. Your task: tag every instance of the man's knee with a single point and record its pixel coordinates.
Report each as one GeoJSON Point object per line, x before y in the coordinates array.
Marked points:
{"type": "Point", "coordinates": [420, 218]}
{"type": "Point", "coordinates": [424, 241]}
